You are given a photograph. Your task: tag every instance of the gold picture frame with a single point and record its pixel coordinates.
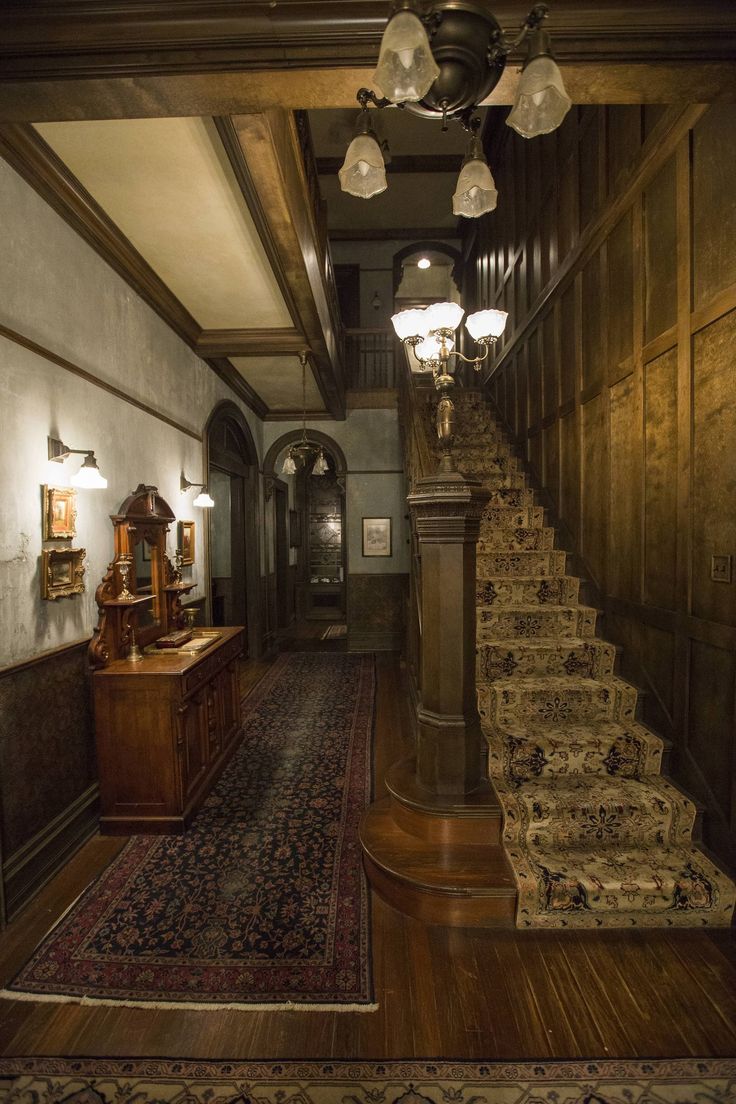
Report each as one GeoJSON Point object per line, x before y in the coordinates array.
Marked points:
{"type": "Point", "coordinates": [62, 572]}
{"type": "Point", "coordinates": [185, 531]}
{"type": "Point", "coordinates": [59, 513]}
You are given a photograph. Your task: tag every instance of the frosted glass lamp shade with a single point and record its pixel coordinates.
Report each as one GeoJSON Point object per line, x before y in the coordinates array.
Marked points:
{"type": "Point", "coordinates": [486, 324]}
{"type": "Point", "coordinates": [363, 172]}
{"type": "Point", "coordinates": [475, 192]}
{"type": "Point", "coordinates": [288, 467]}
{"type": "Point", "coordinates": [203, 499]}
{"type": "Point", "coordinates": [88, 477]}
{"type": "Point", "coordinates": [406, 69]}
{"type": "Point", "coordinates": [411, 323]}
{"type": "Point", "coordinates": [541, 100]}
{"type": "Point", "coordinates": [444, 316]}
{"type": "Point", "coordinates": [320, 464]}
{"type": "Point", "coordinates": [429, 349]}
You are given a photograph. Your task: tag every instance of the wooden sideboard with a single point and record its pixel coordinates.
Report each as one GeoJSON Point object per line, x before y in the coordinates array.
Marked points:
{"type": "Point", "coordinates": [166, 726]}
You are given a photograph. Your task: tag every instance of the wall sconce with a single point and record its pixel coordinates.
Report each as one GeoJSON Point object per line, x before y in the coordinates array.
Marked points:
{"type": "Point", "coordinates": [376, 301]}
{"type": "Point", "coordinates": [203, 498]}
{"type": "Point", "coordinates": [88, 477]}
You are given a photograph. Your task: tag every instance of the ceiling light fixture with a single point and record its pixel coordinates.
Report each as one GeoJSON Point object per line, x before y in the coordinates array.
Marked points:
{"type": "Point", "coordinates": [203, 498]}
{"type": "Point", "coordinates": [299, 454]}
{"type": "Point", "coordinates": [88, 477]}
{"type": "Point", "coordinates": [424, 262]}
{"type": "Point", "coordinates": [442, 59]}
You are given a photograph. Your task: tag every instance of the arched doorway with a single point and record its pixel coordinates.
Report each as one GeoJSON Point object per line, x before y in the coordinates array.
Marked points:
{"type": "Point", "coordinates": [317, 529]}
{"type": "Point", "coordinates": [232, 476]}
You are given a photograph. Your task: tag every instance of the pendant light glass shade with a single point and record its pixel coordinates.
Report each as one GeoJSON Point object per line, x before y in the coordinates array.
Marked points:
{"type": "Point", "coordinates": [320, 464]}
{"type": "Point", "coordinates": [203, 499]}
{"type": "Point", "coordinates": [541, 100]}
{"type": "Point", "coordinates": [475, 193]}
{"type": "Point", "coordinates": [486, 324]}
{"type": "Point", "coordinates": [88, 477]}
{"type": "Point", "coordinates": [411, 323]}
{"type": "Point", "coordinates": [363, 172]}
{"type": "Point", "coordinates": [406, 69]}
{"type": "Point", "coordinates": [288, 467]}
{"type": "Point", "coordinates": [444, 316]}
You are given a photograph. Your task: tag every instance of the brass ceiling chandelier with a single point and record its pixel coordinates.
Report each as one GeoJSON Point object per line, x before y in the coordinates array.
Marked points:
{"type": "Point", "coordinates": [300, 454]}
{"type": "Point", "coordinates": [440, 59]}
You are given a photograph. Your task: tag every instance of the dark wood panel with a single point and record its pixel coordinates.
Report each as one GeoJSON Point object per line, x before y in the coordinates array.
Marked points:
{"type": "Point", "coordinates": [623, 129]}
{"type": "Point", "coordinates": [660, 491]}
{"type": "Point", "coordinates": [595, 480]}
{"type": "Point", "coordinates": [570, 473]}
{"type": "Point", "coordinates": [714, 202]}
{"type": "Point", "coordinates": [568, 346]}
{"type": "Point", "coordinates": [660, 252]}
{"type": "Point", "coordinates": [550, 365]}
{"type": "Point", "coordinates": [624, 567]}
{"type": "Point", "coordinates": [620, 293]}
{"type": "Point", "coordinates": [592, 324]}
{"type": "Point", "coordinates": [711, 724]}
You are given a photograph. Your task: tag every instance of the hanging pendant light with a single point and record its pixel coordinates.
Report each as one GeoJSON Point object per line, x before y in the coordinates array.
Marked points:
{"type": "Point", "coordinates": [301, 451]}
{"type": "Point", "coordinates": [320, 464]}
{"type": "Point", "coordinates": [406, 69]}
{"type": "Point", "coordinates": [541, 101]}
{"type": "Point", "coordinates": [475, 192]}
{"type": "Point", "coordinates": [363, 172]}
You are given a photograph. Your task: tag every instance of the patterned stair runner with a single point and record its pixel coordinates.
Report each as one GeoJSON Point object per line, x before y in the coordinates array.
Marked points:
{"type": "Point", "coordinates": [596, 836]}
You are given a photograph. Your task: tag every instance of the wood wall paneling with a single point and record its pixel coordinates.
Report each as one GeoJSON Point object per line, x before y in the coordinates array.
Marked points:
{"type": "Point", "coordinates": [710, 727]}
{"type": "Point", "coordinates": [624, 526]}
{"type": "Point", "coordinates": [660, 253]}
{"type": "Point", "coordinates": [714, 203]}
{"type": "Point", "coordinates": [660, 482]}
{"type": "Point", "coordinates": [620, 255]}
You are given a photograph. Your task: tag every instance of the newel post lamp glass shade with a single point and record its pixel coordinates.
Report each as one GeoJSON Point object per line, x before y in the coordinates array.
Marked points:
{"type": "Point", "coordinates": [485, 326]}
{"type": "Point", "coordinates": [444, 316]}
{"type": "Point", "coordinates": [411, 323]}
{"type": "Point", "coordinates": [88, 477]}
{"type": "Point", "coordinates": [541, 100]}
{"type": "Point", "coordinates": [406, 69]}
{"type": "Point", "coordinates": [363, 172]}
{"type": "Point", "coordinates": [475, 192]}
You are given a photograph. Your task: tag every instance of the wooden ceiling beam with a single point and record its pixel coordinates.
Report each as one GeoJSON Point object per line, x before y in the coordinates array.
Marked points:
{"type": "Point", "coordinates": [265, 153]}
{"type": "Point", "coordinates": [286, 342]}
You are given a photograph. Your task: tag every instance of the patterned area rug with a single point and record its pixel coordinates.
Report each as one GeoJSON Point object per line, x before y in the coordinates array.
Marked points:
{"type": "Point", "coordinates": [262, 903]}
{"type": "Point", "coordinates": [161, 1081]}
{"type": "Point", "coordinates": [595, 835]}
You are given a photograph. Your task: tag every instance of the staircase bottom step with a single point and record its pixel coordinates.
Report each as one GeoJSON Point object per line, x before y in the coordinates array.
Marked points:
{"type": "Point", "coordinates": [463, 885]}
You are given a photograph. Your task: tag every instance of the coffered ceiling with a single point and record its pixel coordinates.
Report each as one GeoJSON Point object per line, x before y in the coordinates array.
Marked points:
{"type": "Point", "coordinates": [162, 130]}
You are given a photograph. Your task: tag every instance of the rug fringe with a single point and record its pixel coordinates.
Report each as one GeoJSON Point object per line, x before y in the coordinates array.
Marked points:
{"type": "Point", "coordinates": [189, 1006]}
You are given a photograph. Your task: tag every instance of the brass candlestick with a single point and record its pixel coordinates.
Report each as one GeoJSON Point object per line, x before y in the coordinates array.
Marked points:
{"type": "Point", "coordinates": [124, 570]}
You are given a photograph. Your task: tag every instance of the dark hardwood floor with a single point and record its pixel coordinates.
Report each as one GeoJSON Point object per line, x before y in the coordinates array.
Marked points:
{"type": "Point", "coordinates": [442, 992]}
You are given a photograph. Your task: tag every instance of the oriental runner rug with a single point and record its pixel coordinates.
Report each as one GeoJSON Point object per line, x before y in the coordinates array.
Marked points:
{"type": "Point", "coordinates": [595, 835]}
{"type": "Point", "coordinates": [262, 903]}
{"type": "Point", "coordinates": [414, 1081]}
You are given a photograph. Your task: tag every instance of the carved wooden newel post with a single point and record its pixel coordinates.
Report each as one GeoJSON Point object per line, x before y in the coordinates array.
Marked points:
{"type": "Point", "coordinates": [447, 508]}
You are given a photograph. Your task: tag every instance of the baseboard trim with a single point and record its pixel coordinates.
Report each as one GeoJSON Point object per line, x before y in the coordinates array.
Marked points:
{"type": "Point", "coordinates": [362, 641]}
{"type": "Point", "coordinates": [29, 868]}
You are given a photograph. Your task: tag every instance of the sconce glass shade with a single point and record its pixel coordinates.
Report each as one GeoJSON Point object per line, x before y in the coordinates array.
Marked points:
{"type": "Point", "coordinates": [406, 69]}
{"type": "Point", "coordinates": [88, 477]}
{"type": "Point", "coordinates": [486, 324]}
{"type": "Point", "coordinates": [475, 192]}
{"type": "Point", "coordinates": [541, 100]}
{"type": "Point", "coordinates": [411, 323]}
{"type": "Point", "coordinates": [444, 316]}
{"type": "Point", "coordinates": [203, 499]}
{"type": "Point", "coordinates": [363, 172]}
{"type": "Point", "coordinates": [320, 464]}
{"type": "Point", "coordinates": [429, 349]}
{"type": "Point", "coordinates": [288, 467]}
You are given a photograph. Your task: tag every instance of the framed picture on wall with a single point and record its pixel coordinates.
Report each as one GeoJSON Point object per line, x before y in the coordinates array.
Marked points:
{"type": "Point", "coordinates": [186, 541]}
{"type": "Point", "coordinates": [59, 513]}
{"type": "Point", "coordinates": [376, 536]}
{"type": "Point", "coordinates": [62, 572]}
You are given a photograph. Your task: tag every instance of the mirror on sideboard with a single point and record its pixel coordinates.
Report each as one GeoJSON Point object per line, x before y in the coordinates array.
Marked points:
{"type": "Point", "coordinates": [139, 597]}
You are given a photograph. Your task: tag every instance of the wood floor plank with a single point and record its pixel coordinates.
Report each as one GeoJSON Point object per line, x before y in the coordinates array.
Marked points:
{"type": "Point", "coordinates": [465, 993]}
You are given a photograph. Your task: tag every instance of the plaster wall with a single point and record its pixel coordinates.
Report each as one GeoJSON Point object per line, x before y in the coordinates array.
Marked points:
{"type": "Point", "coordinates": [55, 290]}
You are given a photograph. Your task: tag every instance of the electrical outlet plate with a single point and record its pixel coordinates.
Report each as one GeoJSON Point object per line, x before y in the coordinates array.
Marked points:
{"type": "Point", "coordinates": [720, 569]}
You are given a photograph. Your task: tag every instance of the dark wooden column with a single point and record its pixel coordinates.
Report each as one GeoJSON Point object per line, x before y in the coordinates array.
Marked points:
{"type": "Point", "coordinates": [447, 508]}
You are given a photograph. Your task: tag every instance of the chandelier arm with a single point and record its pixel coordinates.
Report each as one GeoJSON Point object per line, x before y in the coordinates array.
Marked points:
{"type": "Point", "coordinates": [478, 360]}
{"type": "Point", "coordinates": [504, 45]}
{"type": "Point", "coordinates": [364, 96]}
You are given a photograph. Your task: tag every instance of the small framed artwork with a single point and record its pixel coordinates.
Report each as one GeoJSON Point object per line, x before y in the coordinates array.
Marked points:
{"type": "Point", "coordinates": [59, 513]}
{"type": "Point", "coordinates": [62, 572]}
{"type": "Point", "coordinates": [376, 536]}
{"type": "Point", "coordinates": [186, 542]}
{"type": "Point", "coordinates": [295, 529]}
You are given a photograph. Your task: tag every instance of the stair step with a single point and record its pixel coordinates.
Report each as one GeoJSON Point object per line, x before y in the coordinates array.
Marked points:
{"type": "Point", "coordinates": [512, 517]}
{"type": "Point", "coordinates": [494, 539]}
{"type": "Point", "coordinates": [464, 885]}
{"type": "Point", "coordinates": [511, 622]}
{"type": "Point", "coordinates": [526, 590]}
{"type": "Point", "coordinates": [622, 887]}
{"type": "Point", "coordinates": [556, 700]}
{"type": "Point", "coordinates": [541, 658]}
{"type": "Point", "coordinates": [574, 811]}
{"type": "Point", "coordinates": [491, 564]}
{"type": "Point", "coordinates": [611, 748]}
{"type": "Point", "coordinates": [510, 496]}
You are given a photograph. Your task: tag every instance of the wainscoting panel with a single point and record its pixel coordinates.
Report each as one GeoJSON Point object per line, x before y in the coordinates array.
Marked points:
{"type": "Point", "coordinates": [45, 717]}
{"type": "Point", "coordinates": [376, 612]}
{"type": "Point", "coordinates": [638, 416]}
